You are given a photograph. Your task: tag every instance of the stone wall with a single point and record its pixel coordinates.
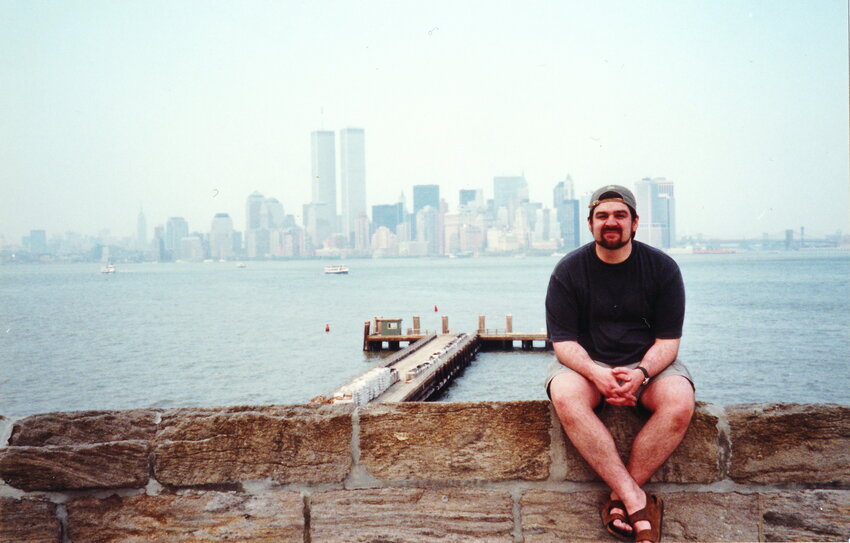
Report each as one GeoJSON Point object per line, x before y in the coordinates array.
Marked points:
{"type": "Point", "coordinates": [414, 472]}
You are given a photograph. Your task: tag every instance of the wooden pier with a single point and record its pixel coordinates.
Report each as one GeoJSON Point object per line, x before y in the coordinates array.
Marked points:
{"type": "Point", "coordinates": [388, 333]}
{"type": "Point", "coordinates": [428, 362]}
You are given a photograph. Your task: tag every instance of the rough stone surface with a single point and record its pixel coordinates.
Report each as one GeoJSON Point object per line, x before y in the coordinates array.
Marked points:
{"type": "Point", "coordinates": [549, 516]}
{"type": "Point", "coordinates": [411, 515]}
{"type": "Point", "coordinates": [458, 441]}
{"type": "Point", "coordinates": [710, 516]}
{"type": "Point", "coordinates": [306, 444]}
{"type": "Point", "coordinates": [775, 443]}
{"type": "Point", "coordinates": [29, 521]}
{"type": "Point", "coordinates": [84, 427]}
{"type": "Point", "coordinates": [819, 515]}
{"type": "Point", "coordinates": [106, 465]}
{"type": "Point", "coordinates": [192, 517]}
{"type": "Point", "coordinates": [696, 460]}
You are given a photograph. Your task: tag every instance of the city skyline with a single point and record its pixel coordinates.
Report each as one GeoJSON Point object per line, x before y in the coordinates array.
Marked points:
{"type": "Point", "coordinates": [184, 109]}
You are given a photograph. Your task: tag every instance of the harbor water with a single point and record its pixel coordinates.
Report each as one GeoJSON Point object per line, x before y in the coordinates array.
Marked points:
{"type": "Point", "coordinates": [759, 327]}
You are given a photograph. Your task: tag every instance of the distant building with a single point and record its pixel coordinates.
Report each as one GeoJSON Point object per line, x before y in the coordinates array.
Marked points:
{"type": "Point", "coordinates": [141, 232]}
{"type": "Point", "coordinates": [221, 237]}
{"type": "Point", "coordinates": [253, 211]}
{"type": "Point", "coordinates": [426, 195]}
{"type": "Point", "coordinates": [388, 215]}
{"type": "Point", "coordinates": [567, 214]}
{"type": "Point", "coordinates": [319, 222]}
{"type": "Point", "coordinates": [471, 198]}
{"type": "Point", "coordinates": [323, 219]}
{"type": "Point", "coordinates": [428, 229]}
{"type": "Point", "coordinates": [384, 242]}
{"type": "Point", "coordinates": [272, 213]}
{"type": "Point", "coordinates": [191, 248]}
{"type": "Point", "coordinates": [657, 211]}
{"type": "Point", "coordinates": [509, 193]}
{"type": "Point", "coordinates": [352, 161]}
{"type": "Point", "coordinates": [176, 228]}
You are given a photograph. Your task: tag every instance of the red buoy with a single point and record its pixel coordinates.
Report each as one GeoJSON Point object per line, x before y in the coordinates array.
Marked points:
{"type": "Point", "coordinates": [435, 309]}
{"type": "Point", "coordinates": [327, 327]}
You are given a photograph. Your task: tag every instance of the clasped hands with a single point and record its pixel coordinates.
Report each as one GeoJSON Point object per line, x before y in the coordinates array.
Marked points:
{"type": "Point", "coordinates": [619, 385]}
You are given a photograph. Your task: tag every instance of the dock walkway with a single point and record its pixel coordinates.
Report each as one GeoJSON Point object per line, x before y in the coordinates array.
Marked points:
{"type": "Point", "coordinates": [428, 362]}
{"type": "Point", "coordinates": [427, 370]}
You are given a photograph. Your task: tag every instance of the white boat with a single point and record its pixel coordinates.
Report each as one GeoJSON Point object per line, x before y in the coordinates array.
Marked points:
{"type": "Point", "coordinates": [109, 268]}
{"type": "Point", "coordinates": [336, 270]}
{"type": "Point", "coordinates": [240, 265]}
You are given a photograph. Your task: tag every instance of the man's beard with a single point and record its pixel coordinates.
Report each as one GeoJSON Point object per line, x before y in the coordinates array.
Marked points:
{"type": "Point", "coordinates": [614, 244]}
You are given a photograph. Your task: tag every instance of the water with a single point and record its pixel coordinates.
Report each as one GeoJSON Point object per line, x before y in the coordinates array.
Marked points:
{"type": "Point", "coordinates": [759, 328]}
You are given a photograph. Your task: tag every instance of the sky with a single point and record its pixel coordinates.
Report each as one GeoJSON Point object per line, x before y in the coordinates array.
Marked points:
{"type": "Point", "coordinates": [185, 108]}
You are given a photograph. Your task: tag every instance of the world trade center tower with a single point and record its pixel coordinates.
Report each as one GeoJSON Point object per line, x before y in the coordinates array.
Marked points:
{"type": "Point", "coordinates": [352, 158]}
{"type": "Point", "coordinates": [321, 220]}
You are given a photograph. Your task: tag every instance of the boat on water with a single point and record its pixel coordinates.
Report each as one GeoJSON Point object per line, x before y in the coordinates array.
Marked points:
{"type": "Point", "coordinates": [336, 270]}
{"type": "Point", "coordinates": [240, 265]}
{"type": "Point", "coordinates": [109, 268]}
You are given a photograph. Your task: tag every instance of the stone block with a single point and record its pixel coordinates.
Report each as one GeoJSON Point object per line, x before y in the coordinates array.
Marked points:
{"type": "Point", "coordinates": [191, 516]}
{"type": "Point", "coordinates": [456, 441]}
{"type": "Point", "coordinates": [84, 427]}
{"type": "Point", "coordinates": [411, 515]}
{"type": "Point", "coordinates": [776, 443]}
{"type": "Point", "coordinates": [29, 521]}
{"type": "Point", "coordinates": [550, 516]}
{"type": "Point", "coordinates": [288, 444]}
{"type": "Point", "coordinates": [120, 464]}
{"type": "Point", "coordinates": [696, 460]}
{"type": "Point", "coordinates": [710, 516]}
{"type": "Point", "coordinates": [817, 515]}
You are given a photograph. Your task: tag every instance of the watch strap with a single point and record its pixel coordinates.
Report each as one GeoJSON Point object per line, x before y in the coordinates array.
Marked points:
{"type": "Point", "coordinates": [645, 374]}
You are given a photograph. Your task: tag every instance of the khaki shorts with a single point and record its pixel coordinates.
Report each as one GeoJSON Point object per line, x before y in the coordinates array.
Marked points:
{"type": "Point", "coordinates": [676, 368]}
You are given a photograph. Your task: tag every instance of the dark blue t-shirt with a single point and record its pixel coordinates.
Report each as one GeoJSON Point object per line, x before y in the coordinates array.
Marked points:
{"type": "Point", "coordinates": [615, 311]}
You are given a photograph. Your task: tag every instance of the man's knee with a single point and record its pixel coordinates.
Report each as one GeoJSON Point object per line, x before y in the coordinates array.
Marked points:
{"type": "Point", "coordinates": [674, 397]}
{"type": "Point", "coordinates": [572, 396]}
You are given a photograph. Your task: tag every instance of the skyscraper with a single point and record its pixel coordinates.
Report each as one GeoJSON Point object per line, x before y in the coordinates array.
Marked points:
{"type": "Point", "coordinates": [175, 230]}
{"type": "Point", "coordinates": [253, 211]}
{"type": "Point", "coordinates": [471, 198]}
{"type": "Point", "coordinates": [426, 195]}
{"type": "Point", "coordinates": [323, 221]}
{"type": "Point", "coordinates": [221, 237]}
{"type": "Point", "coordinates": [509, 192]}
{"type": "Point", "coordinates": [567, 213]}
{"type": "Point", "coordinates": [352, 161]}
{"type": "Point", "coordinates": [657, 212]}
{"type": "Point", "coordinates": [388, 215]}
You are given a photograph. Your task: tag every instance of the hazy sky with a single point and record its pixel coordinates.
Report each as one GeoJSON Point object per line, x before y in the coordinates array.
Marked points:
{"type": "Point", "coordinates": [183, 108]}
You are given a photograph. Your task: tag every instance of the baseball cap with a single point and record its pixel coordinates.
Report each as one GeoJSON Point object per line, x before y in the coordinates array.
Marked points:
{"type": "Point", "coordinates": [615, 193]}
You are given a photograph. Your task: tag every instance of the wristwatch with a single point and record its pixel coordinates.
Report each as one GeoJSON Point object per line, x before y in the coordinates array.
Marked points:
{"type": "Point", "coordinates": [645, 375]}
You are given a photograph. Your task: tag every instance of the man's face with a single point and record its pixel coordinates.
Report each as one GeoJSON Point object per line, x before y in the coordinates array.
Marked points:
{"type": "Point", "coordinates": [612, 225]}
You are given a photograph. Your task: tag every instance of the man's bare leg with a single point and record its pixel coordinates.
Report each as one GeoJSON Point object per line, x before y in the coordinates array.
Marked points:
{"type": "Point", "coordinates": [574, 399]}
{"type": "Point", "coordinates": [671, 401]}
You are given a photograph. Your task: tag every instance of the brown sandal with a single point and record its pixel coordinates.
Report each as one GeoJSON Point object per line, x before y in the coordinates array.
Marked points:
{"type": "Point", "coordinates": [654, 514]}
{"type": "Point", "coordinates": [608, 519]}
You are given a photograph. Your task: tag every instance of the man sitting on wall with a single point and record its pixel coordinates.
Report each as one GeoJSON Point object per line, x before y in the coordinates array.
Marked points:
{"type": "Point", "coordinates": [614, 313]}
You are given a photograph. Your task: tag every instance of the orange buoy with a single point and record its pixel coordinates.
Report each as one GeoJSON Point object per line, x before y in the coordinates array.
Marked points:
{"type": "Point", "coordinates": [327, 327]}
